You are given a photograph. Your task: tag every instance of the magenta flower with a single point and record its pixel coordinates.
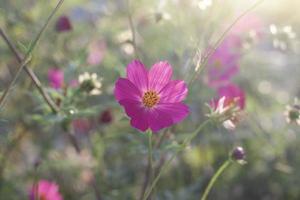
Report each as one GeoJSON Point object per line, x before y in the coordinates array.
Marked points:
{"type": "Point", "coordinates": [45, 190]}
{"type": "Point", "coordinates": [56, 78]}
{"type": "Point", "coordinates": [232, 93]}
{"type": "Point", "coordinates": [150, 98]}
{"type": "Point", "coordinates": [63, 24]}
{"type": "Point", "coordinates": [223, 64]}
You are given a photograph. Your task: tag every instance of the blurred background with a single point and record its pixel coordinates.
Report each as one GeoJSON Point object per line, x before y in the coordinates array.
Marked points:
{"type": "Point", "coordinates": [96, 36]}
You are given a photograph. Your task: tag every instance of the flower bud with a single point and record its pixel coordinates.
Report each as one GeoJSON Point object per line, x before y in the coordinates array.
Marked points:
{"type": "Point", "coordinates": [63, 24]}
{"type": "Point", "coordinates": [238, 154]}
{"type": "Point", "coordinates": [106, 117]}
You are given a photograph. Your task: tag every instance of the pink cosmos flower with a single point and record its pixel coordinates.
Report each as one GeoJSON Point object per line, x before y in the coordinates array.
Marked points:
{"type": "Point", "coordinates": [63, 24]}
{"type": "Point", "coordinates": [227, 108]}
{"type": "Point", "coordinates": [232, 93]}
{"type": "Point", "coordinates": [45, 190]}
{"type": "Point", "coordinates": [223, 64]}
{"type": "Point", "coordinates": [56, 78]}
{"type": "Point", "coordinates": [150, 98]}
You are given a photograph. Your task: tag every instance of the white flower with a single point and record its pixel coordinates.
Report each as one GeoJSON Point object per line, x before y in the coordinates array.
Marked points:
{"type": "Point", "coordinates": [90, 83]}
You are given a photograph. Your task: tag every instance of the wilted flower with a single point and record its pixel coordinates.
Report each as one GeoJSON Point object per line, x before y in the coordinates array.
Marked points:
{"type": "Point", "coordinates": [227, 109]}
{"type": "Point", "coordinates": [90, 83]}
{"type": "Point", "coordinates": [223, 64]}
{"type": "Point", "coordinates": [150, 98]}
{"type": "Point", "coordinates": [63, 24]}
{"type": "Point", "coordinates": [56, 78]}
{"type": "Point", "coordinates": [238, 154]}
{"type": "Point", "coordinates": [45, 190]}
{"type": "Point", "coordinates": [292, 113]}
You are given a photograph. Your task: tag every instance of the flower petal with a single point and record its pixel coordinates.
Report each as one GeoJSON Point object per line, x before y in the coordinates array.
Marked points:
{"type": "Point", "coordinates": [159, 75]}
{"type": "Point", "coordinates": [124, 89]}
{"type": "Point", "coordinates": [174, 91]}
{"type": "Point", "coordinates": [137, 113]}
{"type": "Point", "coordinates": [138, 74]}
{"type": "Point", "coordinates": [159, 120]}
{"type": "Point", "coordinates": [232, 91]}
{"type": "Point", "coordinates": [177, 111]}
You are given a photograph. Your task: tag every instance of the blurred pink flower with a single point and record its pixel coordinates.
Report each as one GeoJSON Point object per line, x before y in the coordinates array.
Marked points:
{"type": "Point", "coordinates": [250, 22]}
{"type": "Point", "coordinates": [96, 52]}
{"type": "Point", "coordinates": [45, 190]}
{"type": "Point", "coordinates": [63, 24]}
{"type": "Point", "coordinates": [224, 62]}
{"type": "Point", "coordinates": [232, 93]}
{"type": "Point", "coordinates": [150, 98]}
{"type": "Point", "coordinates": [56, 78]}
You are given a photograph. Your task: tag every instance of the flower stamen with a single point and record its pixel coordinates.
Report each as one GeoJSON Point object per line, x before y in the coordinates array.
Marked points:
{"type": "Point", "coordinates": [150, 99]}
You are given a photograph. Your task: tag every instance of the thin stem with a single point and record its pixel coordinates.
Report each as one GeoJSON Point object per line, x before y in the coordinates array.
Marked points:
{"type": "Point", "coordinates": [168, 162]}
{"type": "Point", "coordinates": [35, 184]}
{"type": "Point", "coordinates": [30, 73]}
{"type": "Point", "coordinates": [215, 178]}
{"type": "Point", "coordinates": [220, 40]}
{"type": "Point", "coordinates": [149, 168]}
{"type": "Point", "coordinates": [150, 152]}
{"type": "Point", "coordinates": [28, 54]}
{"type": "Point", "coordinates": [132, 29]}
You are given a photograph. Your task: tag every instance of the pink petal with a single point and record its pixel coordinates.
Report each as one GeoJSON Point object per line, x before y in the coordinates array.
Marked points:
{"type": "Point", "coordinates": [159, 120]}
{"type": "Point", "coordinates": [137, 113]}
{"type": "Point", "coordinates": [159, 75]}
{"type": "Point", "coordinates": [56, 78]}
{"type": "Point", "coordinates": [124, 89]}
{"type": "Point", "coordinates": [177, 111]}
{"type": "Point", "coordinates": [231, 91]}
{"type": "Point", "coordinates": [174, 91]}
{"type": "Point", "coordinates": [138, 75]}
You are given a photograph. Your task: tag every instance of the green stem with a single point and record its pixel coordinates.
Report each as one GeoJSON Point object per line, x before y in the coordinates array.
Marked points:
{"type": "Point", "coordinates": [132, 29]}
{"type": "Point", "coordinates": [27, 57]}
{"type": "Point", "coordinates": [150, 154]}
{"type": "Point", "coordinates": [168, 163]}
{"type": "Point", "coordinates": [215, 178]}
{"type": "Point", "coordinates": [30, 72]}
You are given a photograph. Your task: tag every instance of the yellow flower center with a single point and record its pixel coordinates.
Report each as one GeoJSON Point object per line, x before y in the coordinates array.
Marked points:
{"type": "Point", "coordinates": [150, 99]}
